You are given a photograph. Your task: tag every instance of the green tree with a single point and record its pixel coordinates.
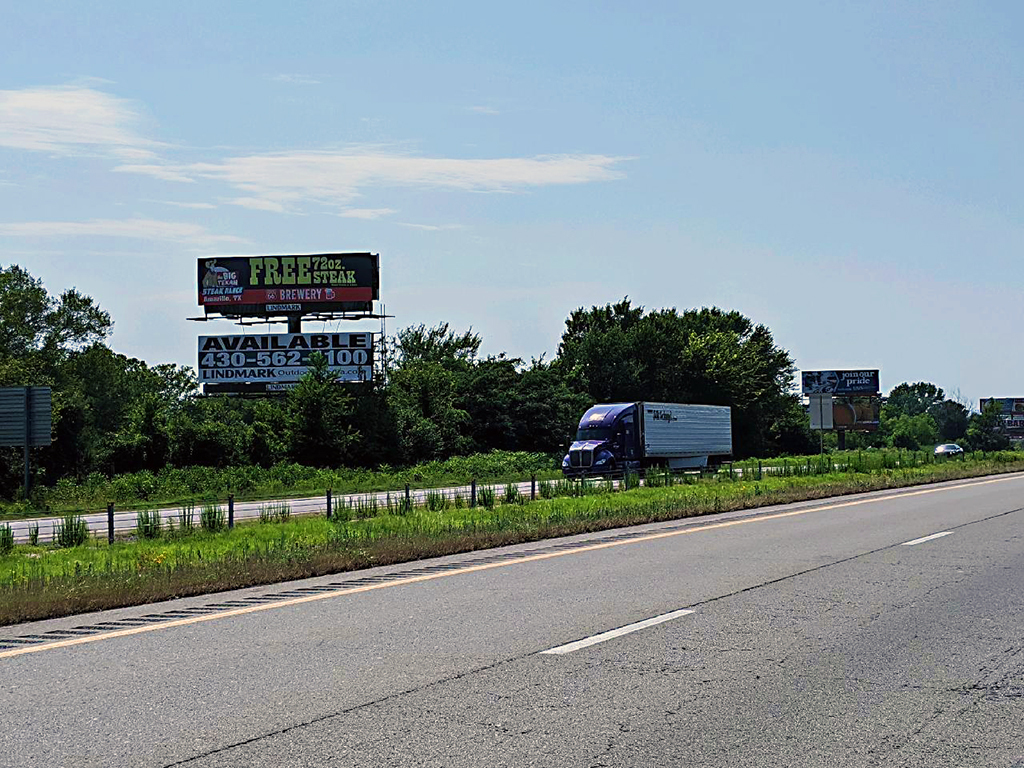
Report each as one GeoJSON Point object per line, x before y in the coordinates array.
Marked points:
{"type": "Point", "coordinates": [619, 353]}
{"type": "Point", "coordinates": [986, 431]}
{"type": "Point", "coordinates": [952, 418]}
{"type": "Point", "coordinates": [912, 399]}
{"type": "Point", "coordinates": [321, 430]}
{"type": "Point", "coordinates": [422, 398]}
{"type": "Point", "coordinates": [913, 432]}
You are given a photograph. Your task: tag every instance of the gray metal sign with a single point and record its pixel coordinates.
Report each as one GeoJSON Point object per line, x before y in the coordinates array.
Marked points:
{"type": "Point", "coordinates": [26, 416]}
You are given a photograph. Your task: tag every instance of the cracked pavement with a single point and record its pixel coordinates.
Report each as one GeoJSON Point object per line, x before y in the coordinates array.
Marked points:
{"type": "Point", "coordinates": [817, 640]}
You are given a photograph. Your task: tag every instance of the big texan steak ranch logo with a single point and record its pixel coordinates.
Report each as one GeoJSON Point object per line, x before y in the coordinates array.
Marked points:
{"type": "Point", "coordinates": [220, 283]}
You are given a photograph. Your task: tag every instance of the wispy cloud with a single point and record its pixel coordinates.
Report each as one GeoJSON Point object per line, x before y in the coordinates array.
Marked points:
{"type": "Point", "coordinates": [176, 204]}
{"type": "Point", "coordinates": [366, 213]}
{"type": "Point", "coordinates": [432, 227]}
{"type": "Point", "coordinates": [144, 229]}
{"type": "Point", "coordinates": [296, 79]}
{"type": "Point", "coordinates": [484, 110]}
{"type": "Point", "coordinates": [284, 180]}
{"type": "Point", "coordinates": [258, 204]}
{"type": "Point", "coordinates": [162, 172]}
{"type": "Point", "coordinates": [72, 120]}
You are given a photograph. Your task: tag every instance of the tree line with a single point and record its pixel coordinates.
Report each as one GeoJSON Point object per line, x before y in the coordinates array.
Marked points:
{"type": "Point", "coordinates": [441, 397]}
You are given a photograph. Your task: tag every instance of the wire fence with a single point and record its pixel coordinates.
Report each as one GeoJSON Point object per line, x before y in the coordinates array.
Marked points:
{"type": "Point", "coordinates": [213, 515]}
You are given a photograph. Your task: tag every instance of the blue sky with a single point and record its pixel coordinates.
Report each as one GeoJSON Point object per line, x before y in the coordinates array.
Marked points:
{"type": "Point", "coordinates": [847, 174]}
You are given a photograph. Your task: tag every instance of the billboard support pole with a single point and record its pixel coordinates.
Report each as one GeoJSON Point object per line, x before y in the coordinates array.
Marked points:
{"type": "Point", "coordinates": [821, 421]}
{"type": "Point", "coordinates": [294, 324]}
{"type": "Point", "coordinates": [28, 435]}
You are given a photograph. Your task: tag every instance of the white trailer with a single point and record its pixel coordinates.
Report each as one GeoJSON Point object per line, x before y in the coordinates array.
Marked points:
{"type": "Point", "coordinates": [681, 435]}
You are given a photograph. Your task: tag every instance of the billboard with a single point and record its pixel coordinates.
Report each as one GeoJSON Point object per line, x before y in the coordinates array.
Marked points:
{"type": "Point", "coordinates": [1013, 414]}
{"type": "Point", "coordinates": [282, 285]}
{"type": "Point", "coordinates": [856, 414]}
{"type": "Point", "coordinates": [275, 362]}
{"type": "Point", "coordinates": [26, 416]}
{"type": "Point", "coordinates": [864, 382]}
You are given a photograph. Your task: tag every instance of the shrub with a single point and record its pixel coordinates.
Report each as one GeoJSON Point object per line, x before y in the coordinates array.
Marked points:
{"type": "Point", "coordinates": [147, 524]}
{"type": "Point", "coordinates": [546, 489]}
{"type": "Point", "coordinates": [211, 518]}
{"type": "Point", "coordinates": [33, 535]}
{"type": "Point", "coordinates": [6, 540]}
{"type": "Point", "coordinates": [72, 531]}
{"type": "Point", "coordinates": [512, 495]}
{"type": "Point", "coordinates": [436, 501]}
{"type": "Point", "coordinates": [486, 497]}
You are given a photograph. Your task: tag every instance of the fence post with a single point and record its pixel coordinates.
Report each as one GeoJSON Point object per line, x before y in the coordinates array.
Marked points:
{"type": "Point", "coordinates": [408, 499]}
{"type": "Point", "coordinates": [231, 510]}
{"type": "Point", "coordinates": [760, 471]}
{"type": "Point", "coordinates": [533, 487]}
{"type": "Point", "coordinates": [472, 493]}
{"type": "Point", "coordinates": [329, 500]}
{"type": "Point", "coordinates": [110, 522]}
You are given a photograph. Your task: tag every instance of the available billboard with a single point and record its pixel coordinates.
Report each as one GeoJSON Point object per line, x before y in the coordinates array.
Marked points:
{"type": "Point", "coordinates": [1013, 414]}
{"type": "Point", "coordinates": [275, 362]}
{"type": "Point", "coordinates": [261, 286]}
{"type": "Point", "coordinates": [863, 382]}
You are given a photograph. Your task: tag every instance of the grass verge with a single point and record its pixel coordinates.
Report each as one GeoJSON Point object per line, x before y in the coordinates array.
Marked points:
{"type": "Point", "coordinates": [37, 583]}
{"type": "Point", "coordinates": [175, 487]}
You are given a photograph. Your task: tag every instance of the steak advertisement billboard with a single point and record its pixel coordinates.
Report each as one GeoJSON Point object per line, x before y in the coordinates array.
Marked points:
{"type": "Point", "coordinates": [840, 382]}
{"type": "Point", "coordinates": [275, 362]}
{"type": "Point", "coordinates": [279, 285]}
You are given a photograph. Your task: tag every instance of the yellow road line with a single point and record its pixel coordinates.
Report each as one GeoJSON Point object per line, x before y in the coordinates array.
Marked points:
{"type": "Point", "coordinates": [485, 567]}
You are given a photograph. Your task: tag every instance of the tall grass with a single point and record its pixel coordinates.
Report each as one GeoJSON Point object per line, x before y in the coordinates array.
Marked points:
{"type": "Point", "coordinates": [173, 485]}
{"type": "Point", "coordinates": [71, 531]}
{"type": "Point", "coordinates": [148, 524]}
{"type": "Point", "coordinates": [211, 518]}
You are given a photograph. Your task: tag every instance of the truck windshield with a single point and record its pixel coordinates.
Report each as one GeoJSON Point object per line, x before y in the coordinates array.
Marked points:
{"type": "Point", "coordinates": [594, 433]}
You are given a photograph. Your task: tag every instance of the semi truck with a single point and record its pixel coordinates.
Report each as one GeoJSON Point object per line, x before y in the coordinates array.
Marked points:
{"type": "Point", "coordinates": [616, 437]}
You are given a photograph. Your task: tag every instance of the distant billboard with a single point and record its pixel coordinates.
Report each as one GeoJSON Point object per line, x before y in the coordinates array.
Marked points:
{"type": "Point", "coordinates": [261, 286]}
{"type": "Point", "coordinates": [849, 414]}
{"type": "Point", "coordinates": [276, 362]}
{"type": "Point", "coordinates": [1012, 409]}
{"type": "Point", "coordinates": [863, 382]}
{"type": "Point", "coordinates": [856, 414]}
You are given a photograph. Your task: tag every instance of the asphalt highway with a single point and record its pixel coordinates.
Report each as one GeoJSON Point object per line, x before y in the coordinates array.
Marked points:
{"type": "Point", "coordinates": [884, 629]}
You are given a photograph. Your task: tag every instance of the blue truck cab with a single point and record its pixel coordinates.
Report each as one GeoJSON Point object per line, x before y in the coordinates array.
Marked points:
{"type": "Point", "coordinates": [607, 440]}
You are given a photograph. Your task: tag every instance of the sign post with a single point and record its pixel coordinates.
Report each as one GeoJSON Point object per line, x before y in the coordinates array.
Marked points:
{"type": "Point", "coordinates": [26, 420]}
